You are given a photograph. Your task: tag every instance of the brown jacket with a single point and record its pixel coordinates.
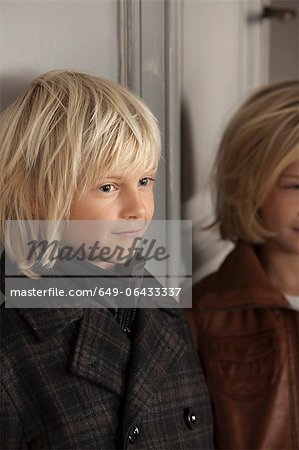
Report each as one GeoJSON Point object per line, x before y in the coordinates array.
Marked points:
{"type": "Point", "coordinates": [248, 341]}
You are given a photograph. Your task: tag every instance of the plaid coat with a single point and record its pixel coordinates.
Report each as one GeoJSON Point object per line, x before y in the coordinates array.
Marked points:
{"type": "Point", "coordinates": [72, 379]}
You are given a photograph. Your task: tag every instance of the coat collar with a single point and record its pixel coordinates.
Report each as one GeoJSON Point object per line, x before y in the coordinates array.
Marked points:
{"type": "Point", "coordinates": [134, 369]}
{"type": "Point", "coordinates": [239, 283]}
{"type": "Point", "coordinates": [103, 354]}
{"type": "Point", "coordinates": [102, 351]}
{"type": "Point", "coordinates": [45, 322]}
{"type": "Point", "coordinates": [157, 345]}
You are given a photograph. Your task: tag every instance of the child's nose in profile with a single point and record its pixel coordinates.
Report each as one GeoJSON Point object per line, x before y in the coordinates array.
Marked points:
{"type": "Point", "coordinates": [133, 205]}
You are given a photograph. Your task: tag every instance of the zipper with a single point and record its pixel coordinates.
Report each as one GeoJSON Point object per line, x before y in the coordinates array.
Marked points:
{"type": "Point", "coordinates": [126, 316]}
{"type": "Point", "coordinates": [128, 320]}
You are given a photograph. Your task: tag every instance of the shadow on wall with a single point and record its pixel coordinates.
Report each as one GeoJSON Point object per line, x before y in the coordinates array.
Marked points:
{"type": "Point", "coordinates": [11, 85]}
{"type": "Point", "coordinates": [208, 250]}
{"type": "Point", "coordinates": [187, 160]}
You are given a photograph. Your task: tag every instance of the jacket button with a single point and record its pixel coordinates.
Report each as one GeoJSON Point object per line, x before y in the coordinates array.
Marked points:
{"type": "Point", "coordinates": [190, 417]}
{"type": "Point", "coordinates": [134, 435]}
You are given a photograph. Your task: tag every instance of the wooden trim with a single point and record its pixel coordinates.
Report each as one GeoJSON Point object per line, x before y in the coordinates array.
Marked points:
{"type": "Point", "coordinates": [254, 45]}
{"type": "Point", "coordinates": [173, 107]}
{"type": "Point", "coordinates": [148, 64]}
{"type": "Point", "coordinates": [129, 44]}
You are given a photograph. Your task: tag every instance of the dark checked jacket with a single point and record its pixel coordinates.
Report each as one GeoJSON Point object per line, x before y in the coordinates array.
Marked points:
{"type": "Point", "coordinates": [73, 379]}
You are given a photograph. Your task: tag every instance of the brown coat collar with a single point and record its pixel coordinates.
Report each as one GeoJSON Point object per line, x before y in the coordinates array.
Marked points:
{"type": "Point", "coordinates": [240, 283]}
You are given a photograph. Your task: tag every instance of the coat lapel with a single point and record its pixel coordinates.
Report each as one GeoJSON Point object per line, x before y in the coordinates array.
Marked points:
{"type": "Point", "coordinates": [45, 322]}
{"type": "Point", "coordinates": [103, 354]}
{"type": "Point", "coordinates": [156, 347]}
{"type": "Point", "coordinates": [102, 351]}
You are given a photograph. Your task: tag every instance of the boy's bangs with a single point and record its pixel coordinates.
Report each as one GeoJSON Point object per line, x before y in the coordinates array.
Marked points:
{"type": "Point", "coordinates": [138, 152]}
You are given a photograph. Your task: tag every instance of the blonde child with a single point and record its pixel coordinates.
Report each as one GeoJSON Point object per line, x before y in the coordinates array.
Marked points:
{"type": "Point", "coordinates": [245, 317]}
{"type": "Point", "coordinates": [75, 147]}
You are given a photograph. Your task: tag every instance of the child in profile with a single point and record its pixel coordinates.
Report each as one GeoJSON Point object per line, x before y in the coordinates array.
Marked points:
{"type": "Point", "coordinates": [245, 316]}
{"type": "Point", "coordinates": [76, 147]}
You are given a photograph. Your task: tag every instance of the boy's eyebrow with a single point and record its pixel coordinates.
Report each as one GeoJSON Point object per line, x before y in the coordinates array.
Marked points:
{"type": "Point", "coordinates": [107, 176]}
{"type": "Point", "coordinates": [290, 175]}
{"type": "Point", "coordinates": [118, 177]}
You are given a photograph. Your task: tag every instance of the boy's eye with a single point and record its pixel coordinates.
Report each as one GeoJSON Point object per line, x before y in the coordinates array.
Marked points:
{"type": "Point", "coordinates": [106, 188]}
{"type": "Point", "coordinates": [145, 181]}
{"type": "Point", "coordinates": [292, 186]}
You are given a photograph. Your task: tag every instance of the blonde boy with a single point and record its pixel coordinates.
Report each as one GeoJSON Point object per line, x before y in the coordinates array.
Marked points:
{"type": "Point", "coordinates": [76, 147]}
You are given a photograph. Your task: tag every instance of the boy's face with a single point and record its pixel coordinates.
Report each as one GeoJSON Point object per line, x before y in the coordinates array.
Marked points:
{"type": "Point", "coordinates": [280, 212]}
{"type": "Point", "coordinates": [121, 203]}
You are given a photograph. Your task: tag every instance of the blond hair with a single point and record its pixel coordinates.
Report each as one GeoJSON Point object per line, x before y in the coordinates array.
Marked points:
{"type": "Point", "coordinates": [260, 141]}
{"type": "Point", "coordinates": [65, 132]}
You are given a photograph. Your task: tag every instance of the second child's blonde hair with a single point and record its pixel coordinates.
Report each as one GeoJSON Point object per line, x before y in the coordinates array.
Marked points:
{"type": "Point", "coordinates": [64, 133]}
{"type": "Point", "coordinates": [261, 140]}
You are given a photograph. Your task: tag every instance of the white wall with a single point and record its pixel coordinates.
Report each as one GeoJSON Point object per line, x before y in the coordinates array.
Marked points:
{"type": "Point", "coordinates": [227, 51]}
{"type": "Point", "coordinates": [122, 40]}
{"type": "Point", "coordinates": [37, 36]}
{"type": "Point", "coordinates": [222, 59]}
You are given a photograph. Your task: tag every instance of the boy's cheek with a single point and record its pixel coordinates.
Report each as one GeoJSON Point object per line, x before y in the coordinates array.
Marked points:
{"type": "Point", "coordinates": [152, 212]}
{"type": "Point", "coordinates": [150, 207]}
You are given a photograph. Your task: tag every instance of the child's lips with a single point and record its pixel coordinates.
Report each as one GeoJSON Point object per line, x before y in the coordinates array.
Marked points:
{"type": "Point", "coordinates": [128, 233]}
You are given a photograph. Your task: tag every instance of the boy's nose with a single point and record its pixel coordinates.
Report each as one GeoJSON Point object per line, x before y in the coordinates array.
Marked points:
{"type": "Point", "coordinates": [133, 207]}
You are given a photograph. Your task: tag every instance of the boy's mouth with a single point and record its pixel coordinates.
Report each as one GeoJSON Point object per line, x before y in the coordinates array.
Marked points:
{"type": "Point", "coordinates": [128, 233]}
